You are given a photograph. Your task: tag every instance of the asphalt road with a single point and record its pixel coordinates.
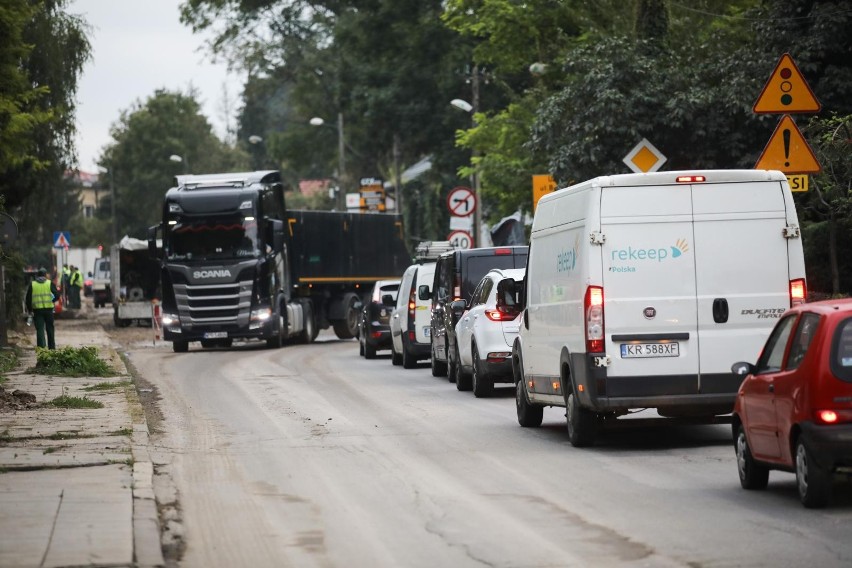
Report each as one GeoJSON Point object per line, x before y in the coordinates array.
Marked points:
{"type": "Point", "coordinates": [313, 456]}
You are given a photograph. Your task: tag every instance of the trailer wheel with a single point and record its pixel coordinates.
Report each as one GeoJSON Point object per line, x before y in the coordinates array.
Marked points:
{"type": "Point", "coordinates": [347, 328]}
{"type": "Point", "coordinates": [180, 346]}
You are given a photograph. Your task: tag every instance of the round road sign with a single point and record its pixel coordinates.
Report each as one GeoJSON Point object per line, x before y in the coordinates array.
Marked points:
{"type": "Point", "coordinates": [461, 202]}
{"type": "Point", "coordinates": [461, 239]}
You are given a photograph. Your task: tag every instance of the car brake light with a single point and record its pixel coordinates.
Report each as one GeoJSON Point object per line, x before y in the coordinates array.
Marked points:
{"type": "Point", "coordinates": [827, 416]}
{"type": "Point", "coordinates": [503, 251]}
{"type": "Point", "coordinates": [690, 179]}
{"type": "Point", "coordinates": [412, 301]}
{"type": "Point", "coordinates": [505, 314]}
{"type": "Point", "coordinates": [798, 291]}
{"type": "Point", "coordinates": [593, 305]}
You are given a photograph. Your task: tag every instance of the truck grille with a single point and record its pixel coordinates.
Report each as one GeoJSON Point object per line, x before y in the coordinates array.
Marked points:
{"type": "Point", "coordinates": [220, 305]}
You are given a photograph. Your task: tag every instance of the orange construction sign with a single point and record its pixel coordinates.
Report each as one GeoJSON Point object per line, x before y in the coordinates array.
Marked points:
{"type": "Point", "coordinates": [786, 91]}
{"type": "Point", "coordinates": [788, 151]}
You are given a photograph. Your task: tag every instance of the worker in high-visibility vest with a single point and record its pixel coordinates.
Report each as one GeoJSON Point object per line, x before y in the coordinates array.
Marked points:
{"type": "Point", "coordinates": [76, 284]}
{"type": "Point", "coordinates": [41, 295]}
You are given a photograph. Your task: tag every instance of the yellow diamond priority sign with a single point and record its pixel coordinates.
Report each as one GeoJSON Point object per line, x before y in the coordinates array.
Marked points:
{"type": "Point", "coordinates": [644, 158]}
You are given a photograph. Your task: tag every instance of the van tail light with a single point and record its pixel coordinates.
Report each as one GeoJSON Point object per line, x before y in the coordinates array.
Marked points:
{"type": "Point", "coordinates": [798, 292]}
{"type": "Point", "coordinates": [457, 287]}
{"type": "Point", "coordinates": [502, 251]}
{"type": "Point", "coordinates": [690, 179]}
{"type": "Point", "coordinates": [412, 302]}
{"type": "Point", "coordinates": [593, 306]}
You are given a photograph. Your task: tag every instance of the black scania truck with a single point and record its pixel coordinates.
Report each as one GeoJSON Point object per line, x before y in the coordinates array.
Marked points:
{"type": "Point", "coordinates": [237, 264]}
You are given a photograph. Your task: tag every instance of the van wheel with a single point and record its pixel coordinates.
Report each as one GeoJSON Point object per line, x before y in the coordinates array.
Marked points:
{"type": "Point", "coordinates": [409, 361]}
{"type": "Point", "coordinates": [439, 368]}
{"type": "Point", "coordinates": [529, 415]}
{"type": "Point", "coordinates": [582, 422]}
{"type": "Point", "coordinates": [396, 358]}
{"type": "Point", "coordinates": [752, 474]}
{"type": "Point", "coordinates": [180, 346]}
{"type": "Point", "coordinates": [814, 482]}
{"type": "Point", "coordinates": [482, 384]}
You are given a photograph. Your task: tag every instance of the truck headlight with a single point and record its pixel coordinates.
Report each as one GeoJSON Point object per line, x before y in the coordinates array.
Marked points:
{"type": "Point", "coordinates": [261, 314]}
{"type": "Point", "coordinates": [170, 319]}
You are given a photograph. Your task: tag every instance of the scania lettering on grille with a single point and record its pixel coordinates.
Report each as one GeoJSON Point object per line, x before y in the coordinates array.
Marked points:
{"type": "Point", "coordinates": [211, 273]}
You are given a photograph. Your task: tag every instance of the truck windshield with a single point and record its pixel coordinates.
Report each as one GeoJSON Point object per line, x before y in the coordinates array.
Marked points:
{"type": "Point", "coordinates": [220, 237]}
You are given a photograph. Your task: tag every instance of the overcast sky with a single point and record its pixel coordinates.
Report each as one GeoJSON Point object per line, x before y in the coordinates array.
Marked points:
{"type": "Point", "coordinates": [139, 46]}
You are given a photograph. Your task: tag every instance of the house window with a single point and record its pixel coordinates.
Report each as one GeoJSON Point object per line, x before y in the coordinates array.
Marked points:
{"type": "Point", "coordinates": [88, 211]}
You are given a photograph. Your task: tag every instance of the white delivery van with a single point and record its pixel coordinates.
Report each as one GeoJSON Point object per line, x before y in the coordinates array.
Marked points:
{"type": "Point", "coordinates": [643, 289]}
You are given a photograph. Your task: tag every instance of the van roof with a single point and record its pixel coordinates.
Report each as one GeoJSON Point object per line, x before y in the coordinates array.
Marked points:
{"type": "Point", "coordinates": [671, 178]}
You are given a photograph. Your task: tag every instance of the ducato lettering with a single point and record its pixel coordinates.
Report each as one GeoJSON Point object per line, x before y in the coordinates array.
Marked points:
{"type": "Point", "coordinates": [212, 273]}
{"type": "Point", "coordinates": [765, 313]}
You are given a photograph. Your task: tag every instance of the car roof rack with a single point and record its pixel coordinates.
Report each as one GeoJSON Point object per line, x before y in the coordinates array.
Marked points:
{"type": "Point", "coordinates": [429, 251]}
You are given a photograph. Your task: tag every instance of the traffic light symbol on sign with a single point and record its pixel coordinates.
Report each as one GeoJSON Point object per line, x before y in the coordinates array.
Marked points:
{"type": "Point", "coordinates": [786, 91]}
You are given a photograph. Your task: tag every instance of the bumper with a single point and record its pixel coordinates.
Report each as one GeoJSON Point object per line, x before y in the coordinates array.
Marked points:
{"type": "Point", "coordinates": [831, 446]}
{"type": "Point", "coordinates": [265, 331]}
{"type": "Point", "coordinates": [378, 338]}
{"type": "Point", "coordinates": [416, 349]}
{"type": "Point", "coordinates": [499, 372]}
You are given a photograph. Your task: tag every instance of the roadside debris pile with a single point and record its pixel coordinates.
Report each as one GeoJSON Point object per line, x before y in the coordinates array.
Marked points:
{"type": "Point", "coordinates": [16, 400]}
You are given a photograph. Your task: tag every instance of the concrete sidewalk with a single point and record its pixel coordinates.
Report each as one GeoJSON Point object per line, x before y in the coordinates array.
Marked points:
{"type": "Point", "coordinates": [76, 484]}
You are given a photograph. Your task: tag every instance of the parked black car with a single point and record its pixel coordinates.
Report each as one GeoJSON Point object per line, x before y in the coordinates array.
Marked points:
{"type": "Point", "coordinates": [457, 274]}
{"type": "Point", "coordinates": [374, 323]}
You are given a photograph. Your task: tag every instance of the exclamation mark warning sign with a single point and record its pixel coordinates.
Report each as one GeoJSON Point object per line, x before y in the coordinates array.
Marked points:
{"type": "Point", "coordinates": [788, 151]}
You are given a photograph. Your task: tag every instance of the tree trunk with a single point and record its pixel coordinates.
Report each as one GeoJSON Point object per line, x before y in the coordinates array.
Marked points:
{"type": "Point", "coordinates": [832, 254]}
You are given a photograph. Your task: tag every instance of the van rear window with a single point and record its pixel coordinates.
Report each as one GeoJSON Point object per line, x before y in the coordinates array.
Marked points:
{"type": "Point", "coordinates": [478, 266]}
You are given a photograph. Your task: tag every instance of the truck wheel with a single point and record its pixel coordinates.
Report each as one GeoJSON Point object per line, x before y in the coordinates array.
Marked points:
{"type": "Point", "coordinates": [582, 422]}
{"type": "Point", "coordinates": [529, 415]}
{"type": "Point", "coordinates": [483, 385]}
{"type": "Point", "coordinates": [310, 331]}
{"type": "Point", "coordinates": [277, 341]}
{"type": "Point", "coordinates": [814, 482]}
{"type": "Point", "coordinates": [347, 328]}
{"type": "Point", "coordinates": [439, 368]}
{"type": "Point", "coordinates": [752, 474]}
{"type": "Point", "coordinates": [180, 346]}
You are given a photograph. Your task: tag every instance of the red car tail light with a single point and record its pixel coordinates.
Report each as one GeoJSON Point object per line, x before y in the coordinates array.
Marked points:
{"type": "Point", "coordinates": [593, 307]}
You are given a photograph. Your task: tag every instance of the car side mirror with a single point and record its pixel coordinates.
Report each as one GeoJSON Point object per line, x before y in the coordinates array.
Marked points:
{"type": "Point", "coordinates": [423, 292]}
{"type": "Point", "coordinates": [388, 300]}
{"type": "Point", "coordinates": [742, 369]}
{"type": "Point", "coordinates": [458, 307]}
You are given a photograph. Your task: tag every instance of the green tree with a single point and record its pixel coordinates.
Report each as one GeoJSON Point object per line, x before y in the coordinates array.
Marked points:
{"type": "Point", "coordinates": [138, 158]}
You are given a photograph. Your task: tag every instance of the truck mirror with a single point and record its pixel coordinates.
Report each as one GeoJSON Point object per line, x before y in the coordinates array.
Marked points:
{"type": "Point", "coordinates": [277, 240]}
{"type": "Point", "coordinates": [423, 292]}
{"type": "Point", "coordinates": [152, 242]}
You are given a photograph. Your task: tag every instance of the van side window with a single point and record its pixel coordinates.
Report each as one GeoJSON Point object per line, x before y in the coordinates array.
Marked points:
{"type": "Point", "coordinates": [773, 353]}
{"type": "Point", "coordinates": [802, 340]}
{"type": "Point", "coordinates": [442, 285]}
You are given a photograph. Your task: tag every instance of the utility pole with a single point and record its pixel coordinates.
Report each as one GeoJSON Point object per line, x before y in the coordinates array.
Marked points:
{"type": "Point", "coordinates": [477, 215]}
{"type": "Point", "coordinates": [341, 164]}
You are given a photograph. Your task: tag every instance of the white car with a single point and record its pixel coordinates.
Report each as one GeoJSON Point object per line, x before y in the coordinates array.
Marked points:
{"type": "Point", "coordinates": [486, 331]}
{"type": "Point", "coordinates": [411, 319]}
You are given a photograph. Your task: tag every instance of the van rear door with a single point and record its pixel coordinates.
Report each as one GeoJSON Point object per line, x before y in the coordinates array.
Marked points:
{"type": "Point", "coordinates": [649, 290]}
{"type": "Point", "coordinates": [742, 271]}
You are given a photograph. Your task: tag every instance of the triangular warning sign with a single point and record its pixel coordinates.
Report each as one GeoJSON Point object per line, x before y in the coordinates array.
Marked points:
{"type": "Point", "coordinates": [61, 241]}
{"type": "Point", "coordinates": [788, 151]}
{"type": "Point", "coordinates": [786, 91]}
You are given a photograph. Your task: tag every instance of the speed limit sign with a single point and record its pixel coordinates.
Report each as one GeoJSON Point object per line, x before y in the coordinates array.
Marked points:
{"type": "Point", "coordinates": [461, 240]}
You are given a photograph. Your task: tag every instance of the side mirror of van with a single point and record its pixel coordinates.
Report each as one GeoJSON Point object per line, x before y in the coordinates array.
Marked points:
{"type": "Point", "coordinates": [423, 292]}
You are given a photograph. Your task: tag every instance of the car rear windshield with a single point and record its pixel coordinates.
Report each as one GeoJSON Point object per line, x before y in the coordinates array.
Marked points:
{"type": "Point", "coordinates": [841, 351]}
{"type": "Point", "coordinates": [478, 266]}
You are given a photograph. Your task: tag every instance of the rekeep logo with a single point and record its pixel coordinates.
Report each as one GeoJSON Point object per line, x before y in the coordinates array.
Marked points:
{"type": "Point", "coordinates": [658, 254]}
{"type": "Point", "coordinates": [566, 260]}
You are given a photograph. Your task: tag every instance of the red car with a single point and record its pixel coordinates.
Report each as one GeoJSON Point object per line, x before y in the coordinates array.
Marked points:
{"type": "Point", "coordinates": [793, 411]}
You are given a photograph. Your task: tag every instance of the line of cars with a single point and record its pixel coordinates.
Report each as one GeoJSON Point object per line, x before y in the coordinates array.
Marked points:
{"type": "Point", "coordinates": [637, 292]}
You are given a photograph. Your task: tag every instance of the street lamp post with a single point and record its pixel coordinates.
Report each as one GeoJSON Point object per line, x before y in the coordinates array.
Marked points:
{"type": "Point", "coordinates": [473, 108]}
{"type": "Point", "coordinates": [255, 140]}
{"type": "Point", "coordinates": [181, 159]}
{"type": "Point", "coordinates": [341, 157]}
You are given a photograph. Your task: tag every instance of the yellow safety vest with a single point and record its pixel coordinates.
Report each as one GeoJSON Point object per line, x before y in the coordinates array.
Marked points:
{"type": "Point", "coordinates": [76, 279]}
{"type": "Point", "coordinates": [42, 295]}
